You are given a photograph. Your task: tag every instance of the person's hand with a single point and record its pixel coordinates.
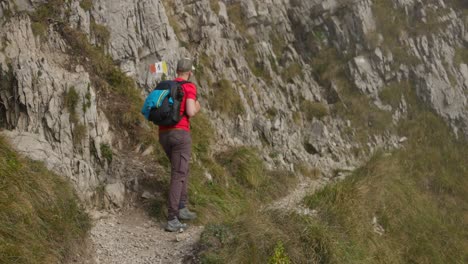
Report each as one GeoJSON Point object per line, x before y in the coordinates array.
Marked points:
{"type": "Point", "coordinates": [197, 105]}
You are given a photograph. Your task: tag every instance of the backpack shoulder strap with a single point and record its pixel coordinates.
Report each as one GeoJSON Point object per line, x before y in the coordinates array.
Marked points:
{"type": "Point", "coordinates": [182, 82]}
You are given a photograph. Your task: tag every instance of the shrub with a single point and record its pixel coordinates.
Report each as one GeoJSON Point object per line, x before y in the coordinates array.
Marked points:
{"type": "Point", "coordinates": [106, 152]}
{"type": "Point", "coordinates": [87, 101]}
{"type": "Point", "coordinates": [71, 99]}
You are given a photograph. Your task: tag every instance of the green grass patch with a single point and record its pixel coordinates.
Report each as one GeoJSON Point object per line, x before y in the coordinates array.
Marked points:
{"type": "Point", "coordinates": [392, 94]}
{"type": "Point", "coordinates": [48, 11]}
{"type": "Point", "coordinates": [461, 55]}
{"type": "Point", "coordinates": [291, 71]}
{"type": "Point", "coordinates": [245, 165]}
{"type": "Point", "coordinates": [39, 29]}
{"type": "Point", "coordinates": [214, 4]}
{"type": "Point", "coordinates": [71, 99]}
{"type": "Point", "coordinates": [79, 133]}
{"type": "Point", "coordinates": [87, 5]}
{"type": "Point", "coordinates": [327, 65]}
{"type": "Point", "coordinates": [225, 99]}
{"type": "Point", "coordinates": [392, 23]}
{"type": "Point", "coordinates": [278, 44]}
{"type": "Point", "coordinates": [257, 68]}
{"type": "Point", "coordinates": [313, 110]}
{"type": "Point", "coordinates": [366, 118]}
{"type": "Point", "coordinates": [106, 152]}
{"type": "Point", "coordinates": [40, 218]}
{"type": "Point", "coordinates": [235, 15]}
{"type": "Point", "coordinates": [170, 8]}
{"type": "Point", "coordinates": [101, 34]}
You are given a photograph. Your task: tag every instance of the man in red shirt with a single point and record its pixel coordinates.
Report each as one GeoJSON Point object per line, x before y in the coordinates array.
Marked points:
{"type": "Point", "coordinates": [176, 142]}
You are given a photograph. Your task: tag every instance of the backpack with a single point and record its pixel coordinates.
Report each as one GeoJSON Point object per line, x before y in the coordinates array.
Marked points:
{"type": "Point", "coordinates": [162, 106]}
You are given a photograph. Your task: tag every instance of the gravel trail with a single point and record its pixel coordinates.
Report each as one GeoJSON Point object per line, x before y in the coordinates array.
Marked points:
{"type": "Point", "coordinates": [132, 237]}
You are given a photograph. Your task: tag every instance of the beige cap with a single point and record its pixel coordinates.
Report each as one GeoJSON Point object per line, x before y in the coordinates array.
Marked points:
{"type": "Point", "coordinates": [184, 65]}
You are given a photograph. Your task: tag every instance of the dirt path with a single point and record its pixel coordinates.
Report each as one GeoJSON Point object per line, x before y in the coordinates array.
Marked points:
{"type": "Point", "coordinates": [293, 200]}
{"type": "Point", "coordinates": [133, 238]}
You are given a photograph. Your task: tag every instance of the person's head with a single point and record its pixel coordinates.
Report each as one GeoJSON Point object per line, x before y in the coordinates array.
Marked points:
{"type": "Point", "coordinates": [184, 68]}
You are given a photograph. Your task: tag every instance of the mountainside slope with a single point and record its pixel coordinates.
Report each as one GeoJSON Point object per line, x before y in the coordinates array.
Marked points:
{"type": "Point", "coordinates": [289, 88]}
{"type": "Point", "coordinates": [403, 206]}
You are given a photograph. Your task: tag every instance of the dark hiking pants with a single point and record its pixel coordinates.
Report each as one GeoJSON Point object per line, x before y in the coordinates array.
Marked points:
{"type": "Point", "coordinates": [177, 145]}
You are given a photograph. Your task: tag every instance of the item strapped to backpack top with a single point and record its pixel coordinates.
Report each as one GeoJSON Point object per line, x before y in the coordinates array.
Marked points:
{"type": "Point", "coordinates": [162, 106]}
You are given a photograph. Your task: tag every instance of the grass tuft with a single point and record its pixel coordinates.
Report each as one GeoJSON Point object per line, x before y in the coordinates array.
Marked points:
{"type": "Point", "coordinates": [291, 71]}
{"type": "Point", "coordinates": [215, 6]}
{"type": "Point", "coordinates": [244, 164]}
{"type": "Point", "coordinates": [40, 219]}
{"type": "Point", "coordinates": [87, 5]}
{"type": "Point", "coordinates": [314, 110]}
{"type": "Point", "coordinates": [226, 100]}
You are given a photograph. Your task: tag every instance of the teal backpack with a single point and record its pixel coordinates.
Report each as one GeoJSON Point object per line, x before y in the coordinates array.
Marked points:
{"type": "Point", "coordinates": [162, 105]}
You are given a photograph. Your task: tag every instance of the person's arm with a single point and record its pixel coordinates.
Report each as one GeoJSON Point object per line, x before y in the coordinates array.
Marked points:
{"type": "Point", "coordinates": [192, 107]}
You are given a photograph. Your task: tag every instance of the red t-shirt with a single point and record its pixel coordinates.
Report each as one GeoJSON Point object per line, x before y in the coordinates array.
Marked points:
{"type": "Point", "coordinates": [190, 92]}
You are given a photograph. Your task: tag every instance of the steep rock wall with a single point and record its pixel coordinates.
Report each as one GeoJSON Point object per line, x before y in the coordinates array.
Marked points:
{"type": "Point", "coordinates": [264, 58]}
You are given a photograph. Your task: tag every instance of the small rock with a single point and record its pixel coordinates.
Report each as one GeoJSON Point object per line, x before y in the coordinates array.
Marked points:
{"type": "Point", "coordinates": [208, 176]}
{"type": "Point", "coordinates": [403, 139]}
{"type": "Point", "coordinates": [148, 151]}
{"type": "Point", "coordinates": [147, 195]}
{"type": "Point", "coordinates": [115, 192]}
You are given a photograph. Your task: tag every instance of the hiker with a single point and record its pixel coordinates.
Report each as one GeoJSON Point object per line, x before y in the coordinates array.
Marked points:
{"type": "Point", "coordinates": [176, 142]}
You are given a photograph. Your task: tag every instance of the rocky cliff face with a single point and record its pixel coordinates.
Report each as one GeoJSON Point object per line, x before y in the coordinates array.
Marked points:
{"type": "Point", "coordinates": [307, 82]}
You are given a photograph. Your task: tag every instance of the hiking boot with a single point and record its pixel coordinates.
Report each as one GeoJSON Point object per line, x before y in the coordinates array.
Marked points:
{"type": "Point", "coordinates": [175, 226]}
{"type": "Point", "coordinates": [185, 214]}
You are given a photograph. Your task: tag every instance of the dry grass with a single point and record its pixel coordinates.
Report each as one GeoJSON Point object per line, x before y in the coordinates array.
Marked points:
{"type": "Point", "coordinates": [40, 219]}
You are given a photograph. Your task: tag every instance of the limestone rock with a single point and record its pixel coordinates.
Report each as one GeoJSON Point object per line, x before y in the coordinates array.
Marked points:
{"type": "Point", "coordinates": [115, 193]}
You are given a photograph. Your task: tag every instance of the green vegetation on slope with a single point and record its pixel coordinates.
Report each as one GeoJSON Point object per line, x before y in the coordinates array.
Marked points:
{"type": "Point", "coordinates": [417, 194]}
{"type": "Point", "coordinates": [40, 219]}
